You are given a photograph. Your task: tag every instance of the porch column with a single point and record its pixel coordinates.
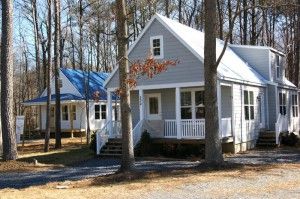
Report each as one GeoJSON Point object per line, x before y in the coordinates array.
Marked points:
{"type": "Point", "coordinates": [178, 112]}
{"type": "Point", "coordinates": [219, 95]}
{"type": "Point", "coordinates": [109, 112]}
{"type": "Point", "coordinates": [142, 104]}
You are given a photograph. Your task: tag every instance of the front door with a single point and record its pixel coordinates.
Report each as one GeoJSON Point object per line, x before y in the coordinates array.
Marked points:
{"type": "Point", "coordinates": [153, 106]}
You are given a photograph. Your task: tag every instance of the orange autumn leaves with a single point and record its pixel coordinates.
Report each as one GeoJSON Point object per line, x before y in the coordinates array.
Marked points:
{"type": "Point", "coordinates": [150, 67]}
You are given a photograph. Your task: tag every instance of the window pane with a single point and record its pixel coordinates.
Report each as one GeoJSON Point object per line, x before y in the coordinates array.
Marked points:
{"type": "Point", "coordinates": [200, 112]}
{"type": "Point", "coordinates": [251, 97]}
{"type": "Point", "coordinates": [284, 110]}
{"type": "Point", "coordinates": [103, 112]}
{"type": "Point", "coordinates": [97, 115]}
{"type": "Point", "coordinates": [246, 97]}
{"type": "Point", "coordinates": [284, 98]}
{"type": "Point", "coordinates": [153, 105]}
{"type": "Point", "coordinates": [186, 99]}
{"type": "Point", "coordinates": [199, 98]}
{"type": "Point", "coordinates": [252, 112]}
{"type": "Point", "coordinates": [280, 98]}
{"type": "Point", "coordinates": [65, 113]}
{"type": "Point", "coordinates": [156, 51]}
{"type": "Point", "coordinates": [156, 42]}
{"type": "Point", "coordinates": [186, 113]}
{"type": "Point", "coordinates": [97, 107]}
{"type": "Point", "coordinates": [246, 109]}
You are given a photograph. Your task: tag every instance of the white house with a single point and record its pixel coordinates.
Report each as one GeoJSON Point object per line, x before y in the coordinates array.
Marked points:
{"type": "Point", "coordinates": [73, 101]}
{"type": "Point", "coordinates": [253, 94]}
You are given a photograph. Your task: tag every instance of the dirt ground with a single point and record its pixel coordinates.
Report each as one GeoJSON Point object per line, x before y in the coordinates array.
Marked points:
{"type": "Point", "coordinates": [272, 181]}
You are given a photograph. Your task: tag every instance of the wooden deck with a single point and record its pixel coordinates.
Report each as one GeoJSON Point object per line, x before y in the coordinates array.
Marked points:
{"type": "Point", "coordinates": [187, 141]}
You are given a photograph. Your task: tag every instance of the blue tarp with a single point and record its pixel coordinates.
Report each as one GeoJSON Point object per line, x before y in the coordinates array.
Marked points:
{"type": "Point", "coordinates": [96, 82]}
{"type": "Point", "coordinates": [63, 97]}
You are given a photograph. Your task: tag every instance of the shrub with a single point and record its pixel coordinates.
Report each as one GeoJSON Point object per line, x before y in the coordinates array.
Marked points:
{"type": "Point", "coordinates": [93, 146]}
{"type": "Point", "coordinates": [144, 146]}
{"type": "Point", "coordinates": [289, 139]}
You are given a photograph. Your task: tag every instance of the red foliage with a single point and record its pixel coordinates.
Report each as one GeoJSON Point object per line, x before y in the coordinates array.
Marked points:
{"type": "Point", "coordinates": [96, 96]}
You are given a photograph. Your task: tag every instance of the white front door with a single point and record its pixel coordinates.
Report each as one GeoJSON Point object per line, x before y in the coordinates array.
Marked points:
{"type": "Point", "coordinates": [153, 106]}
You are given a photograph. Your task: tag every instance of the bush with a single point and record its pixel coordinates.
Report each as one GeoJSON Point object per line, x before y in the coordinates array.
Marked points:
{"type": "Point", "coordinates": [289, 139]}
{"type": "Point", "coordinates": [144, 146]}
{"type": "Point", "coordinates": [93, 146]}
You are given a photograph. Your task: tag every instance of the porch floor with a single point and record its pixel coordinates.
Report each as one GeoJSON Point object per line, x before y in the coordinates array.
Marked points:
{"type": "Point", "coordinates": [187, 141]}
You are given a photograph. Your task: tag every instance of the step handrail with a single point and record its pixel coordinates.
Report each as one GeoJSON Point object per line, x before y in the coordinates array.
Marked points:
{"type": "Point", "coordinates": [102, 136]}
{"type": "Point", "coordinates": [137, 132]}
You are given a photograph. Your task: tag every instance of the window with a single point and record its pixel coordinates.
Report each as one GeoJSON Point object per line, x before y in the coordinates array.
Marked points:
{"type": "Point", "coordinates": [73, 112]}
{"type": "Point", "coordinates": [192, 104]}
{"type": "Point", "coordinates": [295, 105]}
{"type": "Point", "coordinates": [249, 105]}
{"type": "Point", "coordinates": [103, 112]}
{"type": "Point", "coordinates": [65, 112]}
{"type": "Point", "coordinates": [186, 105]}
{"type": "Point", "coordinates": [156, 44]}
{"type": "Point", "coordinates": [60, 83]}
{"type": "Point", "coordinates": [277, 66]}
{"type": "Point", "coordinates": [282, 103]}
{"type": "Point", "coordinates": [97, 112]}
{"type": "Point", "coordinates": [200, 108]}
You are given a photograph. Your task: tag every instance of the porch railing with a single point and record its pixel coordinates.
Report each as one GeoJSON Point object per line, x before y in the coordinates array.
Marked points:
{"type": "Point", "coordinates": [102, 136]}
{"type": "Point", "coordinates": [194, 129]}
{"type": "Point", "coordinates": [280, 126]}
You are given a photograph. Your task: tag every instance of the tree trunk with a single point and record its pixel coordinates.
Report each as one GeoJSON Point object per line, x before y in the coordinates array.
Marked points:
{"type": "Point", "coordinates": [80, 35]}
{"type": "Point", "coordinates": [7, 120]}
{"type": "Point", "coordinates": [126, 120]}
{"type": "Point", "coordinates": [57, 35]}
{"type": "Point", "coordinates": [49, 32]}
{"type": "Point", "coordinates": [297, 47]}
{"type": "Point", "coordinates": [213, 148]}
{"type": "Point", "coordinates": [180, 11]}
{"type": "Point", "coordinates": [230, 19]}
{"type": "Point", "coordinates": [245, 23]}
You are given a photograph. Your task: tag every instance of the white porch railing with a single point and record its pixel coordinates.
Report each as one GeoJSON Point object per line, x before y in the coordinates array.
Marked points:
{"type": "Point", "coordinates": [194, 129]}
{"type": "Point", "coordinates": [280, 126]}
{"type": "Point", "coordinates": [170, 129]}
{"type": "Point", "coordinates": [137, 132]}
{"type": "Point", "coordinates": [226, 127]}
{"type": "Point", "coordinates": [116, 129]}
{"type": "Point", "coordinates": [102, 136]}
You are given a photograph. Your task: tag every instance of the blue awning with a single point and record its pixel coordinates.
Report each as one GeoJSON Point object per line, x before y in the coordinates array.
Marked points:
{"type": "Point", "coordinates": [43, 100]}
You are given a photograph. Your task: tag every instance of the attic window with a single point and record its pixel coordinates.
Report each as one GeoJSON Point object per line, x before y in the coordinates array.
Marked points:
{"type": "Point", "coordinates": [156, 44]}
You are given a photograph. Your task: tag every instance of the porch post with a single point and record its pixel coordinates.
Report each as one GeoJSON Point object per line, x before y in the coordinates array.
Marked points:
{"type": "Point", "coordinates": [109, 112]}
{"type": "Point", "coordinates": [178, 112]}
{"type": "Point", "coordinates": [219, 94]}
{"type": "Point", "coordinates": [142, 104]}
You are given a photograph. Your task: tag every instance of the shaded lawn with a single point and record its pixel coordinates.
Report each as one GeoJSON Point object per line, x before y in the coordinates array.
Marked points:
{"type": "Point", "coordinates": [73, 151]}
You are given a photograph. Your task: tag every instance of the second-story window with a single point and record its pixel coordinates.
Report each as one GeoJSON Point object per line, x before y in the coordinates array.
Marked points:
{"type": "Point", "coordinates": [282, 103]}
{"type": "Point", "coordinates": [277, 66]}
{"type": "Point", "coordinates": [156, 44]}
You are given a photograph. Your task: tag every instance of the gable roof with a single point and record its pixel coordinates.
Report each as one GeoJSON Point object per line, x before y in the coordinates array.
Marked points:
{"type": "Point", "coordinates": [231, 67]}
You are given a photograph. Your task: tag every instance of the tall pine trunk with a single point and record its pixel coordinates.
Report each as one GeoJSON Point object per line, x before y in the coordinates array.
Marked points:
{"type": "Point", "coordinates": [7, 120]}
{"type": "Point", "coordinates": [213, 148]}
{"type": "Point", "coordinates": [126, 120]}
{"type": "Point", "coordinates": [47, 133]}
{"type": "Point", "coordinates": [57, 35]}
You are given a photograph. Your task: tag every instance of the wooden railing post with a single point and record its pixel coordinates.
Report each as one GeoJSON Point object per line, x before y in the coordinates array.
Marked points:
{"type": "Point", "coordinates": [178, 112]}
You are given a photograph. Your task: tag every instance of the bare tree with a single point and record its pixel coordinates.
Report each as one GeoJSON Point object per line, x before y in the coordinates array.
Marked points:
{"type": "Point", "coordinates": [57, 50]}
{"type": "Point", "coordinates": [7, 120]}
{"type": "Point", "coordinates": [126, 120]}
{"type": "Point", "coordinates": [47, 133]}
{"type": "Point", "coordinates": [213, 147]}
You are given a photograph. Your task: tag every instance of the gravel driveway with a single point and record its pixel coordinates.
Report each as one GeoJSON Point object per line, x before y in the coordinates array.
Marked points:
{"type": "Point", "coordinates": [97, 166]}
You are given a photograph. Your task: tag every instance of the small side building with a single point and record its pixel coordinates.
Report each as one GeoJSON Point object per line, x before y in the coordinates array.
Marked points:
{"type": "Point", "coordinates": [73, 91]}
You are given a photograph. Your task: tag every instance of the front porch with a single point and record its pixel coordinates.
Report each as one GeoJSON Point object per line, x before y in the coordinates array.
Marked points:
{"type": "Point", "coordinates": [175, 113]}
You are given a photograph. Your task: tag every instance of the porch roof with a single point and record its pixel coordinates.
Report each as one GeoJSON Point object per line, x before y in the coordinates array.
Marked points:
{"type": "Point", "coordinates": [43, 100]}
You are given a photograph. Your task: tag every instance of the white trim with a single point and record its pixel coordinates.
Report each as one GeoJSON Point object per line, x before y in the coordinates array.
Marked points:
{"type": "Point", "coordinates": [257, 47]}
{"type": "Point", "coordinates": [142, 104]}
{"type": "Point", "coordinates": [172, 85]}
{"type": "Point", "coordinates": [161, 47]}
{"type": "Point", "coordinates": [110, 76]}
{"type": "Point", "coordinates": [219, 96]}
{"type": "Point", "coordinates": [178, 111]}
{"type": "Point", "coordinates": [270, 67]}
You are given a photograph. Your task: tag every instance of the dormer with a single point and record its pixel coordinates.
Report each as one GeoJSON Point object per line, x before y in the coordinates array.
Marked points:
{"type": "Point", "coordinates": [267, 61]}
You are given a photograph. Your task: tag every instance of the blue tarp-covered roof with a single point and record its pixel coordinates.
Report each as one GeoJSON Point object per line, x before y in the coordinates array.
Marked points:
{"type": "Point", "coordinates": [96, 82]}
{"type": "Point", "coordinates": [63, 97]}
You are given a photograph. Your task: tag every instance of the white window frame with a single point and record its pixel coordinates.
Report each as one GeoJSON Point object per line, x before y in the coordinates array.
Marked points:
{"type": "Point", "coordinates": [63, 113]}
{"type": "Point", "coordinates": [282, 105]}
{"type": "Point", "coordinates": [193, 101]}
{"type": "Point", "coordinates": [249, 105]}
{"type": "Point", "coordinates": [295, 111]}
{"type": "Point", "coordinates": [157, 116]}
{"type": "Point", "coordinates": [103, 111]}
{"type": "Point", "coordinates": [74, 112]}
{"type": "Point", "coordinates": [161, 38]}
{"type": "Point", "coordinates": [277, 66]}
{"type": "Point", "coordinates": [99, 112]}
